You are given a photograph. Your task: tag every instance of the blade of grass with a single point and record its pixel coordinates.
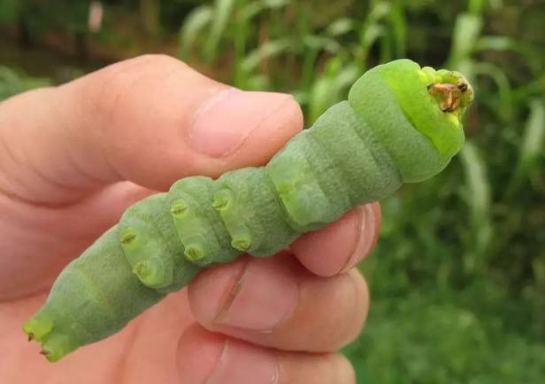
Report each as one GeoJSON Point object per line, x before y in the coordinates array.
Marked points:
{"type": "Point", "coordinates": [246, 12]}
{"type": "Point", "coordinates": [340, 27]}
{"type": "Point", "coordinates": [223, 10]}
{"type": "Point", "coordinates": [531, 149]}
{"type": "Point", "coordinates": [328, 88]}
{"type": "Point", "coordinates": [267, 50]}
{"type": "Point", "coordinates": [313, 46]}
{"type": "Point", "coordinates": [192, 28]}
{"type": "Point", "coordinates": [466, 31]}
{"type": "Point", "coordinates": [372, 29]}
{"type": "Point", "coordinates": [399, 29]}
{"type": "Point", "coordinates": [532, 53]}
{"type": "Point", "coordinates": [477, 7]}
{"type": "Point", "coordinates": [478, 197]}
{"type": "Point", "coordinates": [150, 14]}
{"type": "Point", "coordinates": [505, 105]}
{"type": "Point", "coordinates": [12, 82]}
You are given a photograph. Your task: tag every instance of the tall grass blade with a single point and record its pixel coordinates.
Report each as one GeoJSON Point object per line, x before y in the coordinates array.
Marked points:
{"type": "Point", "coordinates": [466, 31]}
{"type": "Point", "coordinates": [192, 28]}
{"type": "Point", "coordinates": [372, 29]}
{"type": "Point", "coordinates": [505, 105]}
{"type": "Point", "coordinates": [150, 14]}
{"type": "Point", "coordinates": [340, 27]}
{"type": "Point", "coordinates": [532, 148]}
{"type": "Point", "coordinates": [398, 22]}
{"type": "Point", "coordinates": [478, 197]}
{"type": "Point", "coordinates": [12, 82]}
{"type": "Point", "coordinates": [267, 50]}
{"type": "Point", "coordinates": [223, 10]}
{"type": "Point", "coordinates": [331, 86]}
{"type": "Point", "coordinates": [532, 53]}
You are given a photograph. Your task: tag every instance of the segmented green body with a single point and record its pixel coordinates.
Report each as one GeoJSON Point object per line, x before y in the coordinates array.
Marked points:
{"type": "Point", "coordinates": [390, 131]}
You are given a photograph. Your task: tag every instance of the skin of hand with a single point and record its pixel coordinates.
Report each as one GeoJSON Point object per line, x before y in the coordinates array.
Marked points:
{"type": "Point", "coordinates": [72, 158]}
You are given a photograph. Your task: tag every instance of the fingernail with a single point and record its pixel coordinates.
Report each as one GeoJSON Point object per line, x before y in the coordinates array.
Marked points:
{"type": "Point", "coordinates": [366, 231]}
{"type": "Point", "coordinates": [264, 296]}
{"type": "Point", "coordinates": [229, 118]}
{"type": "Point", "coordinates": [243, 364]}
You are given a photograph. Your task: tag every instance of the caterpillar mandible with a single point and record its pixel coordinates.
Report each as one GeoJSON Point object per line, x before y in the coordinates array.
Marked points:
{"type": "Point", "coordinates": [400, 124]}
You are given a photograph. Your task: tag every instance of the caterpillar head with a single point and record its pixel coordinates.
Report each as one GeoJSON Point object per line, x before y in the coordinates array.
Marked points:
{"type": "Point", "coordinates": [416, 112]}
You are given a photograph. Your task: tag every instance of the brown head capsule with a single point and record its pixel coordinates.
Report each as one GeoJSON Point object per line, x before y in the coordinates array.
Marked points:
{"type": "Point", "coordinates": [449, 95]}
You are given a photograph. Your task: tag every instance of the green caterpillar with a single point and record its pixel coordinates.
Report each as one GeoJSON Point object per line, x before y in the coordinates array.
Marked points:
{"type": "Point", "coordinates": [401, 124]}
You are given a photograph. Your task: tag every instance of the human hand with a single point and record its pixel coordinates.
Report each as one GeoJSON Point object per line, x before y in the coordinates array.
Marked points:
{"type": "Point", "coordinates": [73, 158]}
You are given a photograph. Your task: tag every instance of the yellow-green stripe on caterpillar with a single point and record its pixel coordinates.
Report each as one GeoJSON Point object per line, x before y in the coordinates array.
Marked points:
{"type": "Point", "coordinates": [400, 124]}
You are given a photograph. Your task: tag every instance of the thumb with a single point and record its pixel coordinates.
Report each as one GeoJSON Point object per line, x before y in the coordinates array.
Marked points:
{"type": "Point", "coordinates": [149, 120]}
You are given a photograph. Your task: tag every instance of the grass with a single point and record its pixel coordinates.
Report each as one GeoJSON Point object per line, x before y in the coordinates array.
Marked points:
{"type": "Point", "coordinates": [428, 338]}
{"type": "Point", "coordinates": [12, 82]}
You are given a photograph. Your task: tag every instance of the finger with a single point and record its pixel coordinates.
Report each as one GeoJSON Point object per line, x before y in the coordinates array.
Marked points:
{"type": "Point", "coordinates": [37, 242]}
{"type": "Point", "coordinates": [204, 357]}
{"type": "Point", "coordinates": [341, 245]}
{"type": "Point", "coordinates": [277, 303]}
{"type": "Point", "coordinates": [150, 120]}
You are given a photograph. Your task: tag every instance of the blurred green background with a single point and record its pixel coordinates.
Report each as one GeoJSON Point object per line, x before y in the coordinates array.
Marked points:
{"type": "Point", "coordinates": [458, 280]}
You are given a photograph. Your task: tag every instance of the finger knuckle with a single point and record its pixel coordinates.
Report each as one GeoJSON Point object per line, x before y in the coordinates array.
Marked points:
{"type": "Point", "coordinates": [357, 307]}
{"type": "Point", "coordinates": [342, 370]}
{"type": "Point", "coordinates": [335, 368]}
{"type": "Point", "coordinates": [110, 93]}
{"type": "Point", "coordinates": [158, 61]}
